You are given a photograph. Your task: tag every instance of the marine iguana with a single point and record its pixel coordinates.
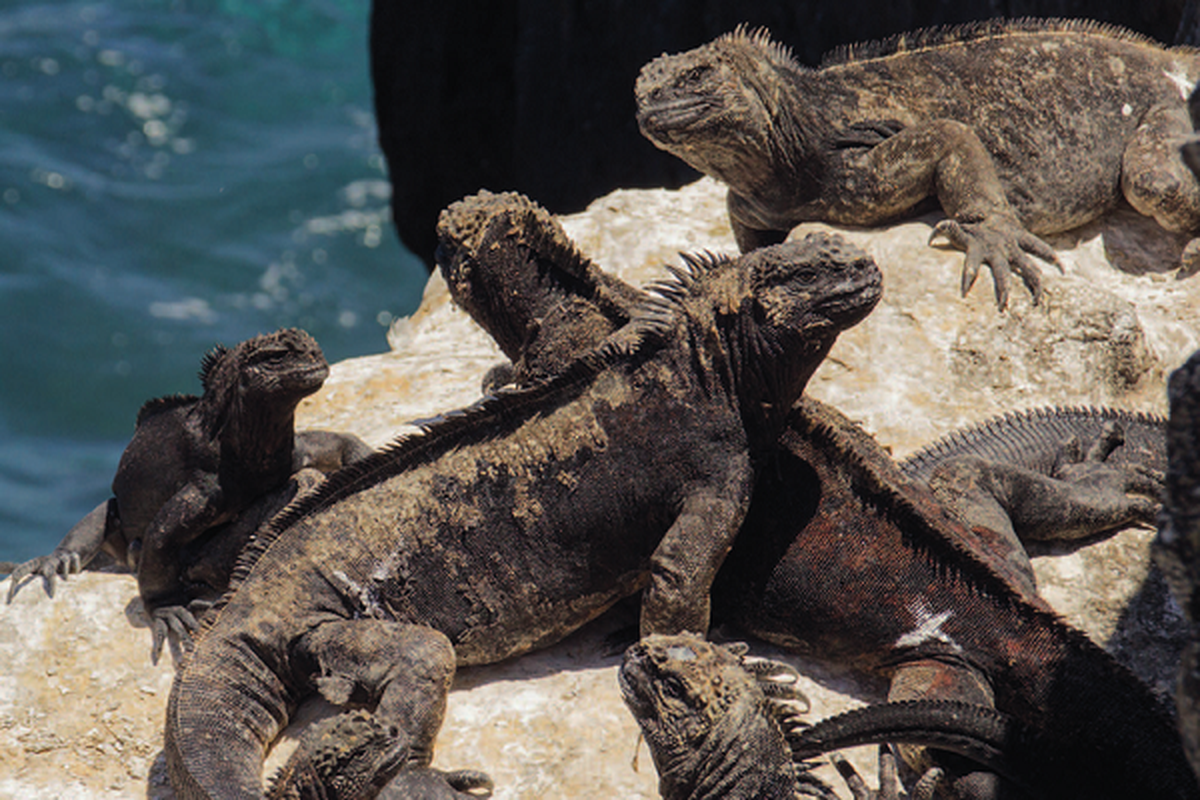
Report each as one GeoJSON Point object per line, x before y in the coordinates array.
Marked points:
{"type": "Point", "coordinates": [506, 526]}
{"type": "Point", "coordinates": [721, 727]}
{"type": "Point", "coordinates": [199, 476]}
{"type": "Point", "coordinates": [1018, 128]}
{"type": "Point", "coordinates": [989, 474]}
{"type": "Point", "coordinates": [844, 556]}
{"type": "Point", "coordinates": [1176, 549]}
{"type": "Point", "coordinates": [715, 723]}
{"type": "Point", "coordinates": [510, 265]}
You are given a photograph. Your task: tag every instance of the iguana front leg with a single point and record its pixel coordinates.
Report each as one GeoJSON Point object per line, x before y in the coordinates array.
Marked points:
{"type": "Point", "coordinates": [1083, 498]}
{"type": "Point", "coordinates": [684, 564]}
{"type": "Point", "coordinates": [944, 159]}
{"type": "Point", "coordinates": [401, 671]}
{"type": "Point", "coordinates": [192, 510]}
{"type": "Point", "coordinates": [890, 787]}
{"type": "Point", "coordinates": [76, 550]}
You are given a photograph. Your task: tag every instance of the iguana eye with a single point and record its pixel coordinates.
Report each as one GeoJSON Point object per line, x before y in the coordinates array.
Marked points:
{"type": "Point", "coordinates": [270, 356]}
{"type": "Point", "coordinates": [673, 687]}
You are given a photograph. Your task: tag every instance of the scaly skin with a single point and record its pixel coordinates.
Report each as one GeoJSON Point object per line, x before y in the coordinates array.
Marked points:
{"type": "Point", "coordinates": [1018, 128]}
{"type": "Point", "coordinates": [509, 525]}
{"type": "Point", "coordinates": [844, 557]}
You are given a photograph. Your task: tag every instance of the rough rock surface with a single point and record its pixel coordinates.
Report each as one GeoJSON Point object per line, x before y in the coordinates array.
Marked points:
{"type": "Point", "coordinates": [81, 708]}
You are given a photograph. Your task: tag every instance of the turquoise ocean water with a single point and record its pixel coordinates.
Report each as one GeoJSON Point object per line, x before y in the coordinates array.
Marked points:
{"type": "Point", "coordinates": [173, 174]}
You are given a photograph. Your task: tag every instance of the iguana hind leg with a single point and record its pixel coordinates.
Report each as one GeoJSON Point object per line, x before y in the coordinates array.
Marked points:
{"type": "Point", "coordinates": [930, 679]}
{"type": "Point", "coordinates": [1084, 497]}
{"type": "Point", "coordinates": [1156, 180]}
{"type": "Point", "coordinates": [401, 671]}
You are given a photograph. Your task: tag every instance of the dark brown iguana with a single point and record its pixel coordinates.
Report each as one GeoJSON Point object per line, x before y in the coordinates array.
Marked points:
{"type": "Point", "coordinates": [1016, 127]}
{"type": "Point", "coordinates": [845, 557]}
{"type": "Point", "coordinates": [1176, 550]}
{"type": "Point", "coordinates": [506, 526]}
{"type": "Point", "coordinates": [201, 474]}
{"type": "Point", "coordinates": [722, 727]}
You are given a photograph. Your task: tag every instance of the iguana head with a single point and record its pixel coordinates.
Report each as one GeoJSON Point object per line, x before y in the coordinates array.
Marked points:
{"type": "Point", "coordinates": [510, 265]}
{"type": "Point", "coordinates": [708, 722]}
{"type": "Point", "coordinates": [720, 107]}
{"type": "Point", "coordinates": [263, 378]}
{"type": "Point", "coordinates": [284, 366]}
{"type": "Point", "coordinates": [776, 311]}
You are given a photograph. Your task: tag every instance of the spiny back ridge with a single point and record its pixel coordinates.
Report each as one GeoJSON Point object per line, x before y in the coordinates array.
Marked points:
{"type": "Point", "coordinates": [160, 404]}
{"type": "Point", "coordinates": [1015, 437]}
{"type": "Point", "coordinates": [208, 364]}
{"type": "Point", "coordinates": [872, 482]}
{"type": "Point", "coordinates": [475, 423]}
{"type": "Point", "coordinates": [926, 38]}
{"type": "Point", "coordinates": [776, 52]}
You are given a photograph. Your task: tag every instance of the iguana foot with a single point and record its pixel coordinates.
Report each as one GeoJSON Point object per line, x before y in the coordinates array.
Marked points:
{"type": "Point", "coordinates": [1000, 242]}
{"type": "Point", "coordinates": [59, 564]}
{"type": "Point", "coordinates": [889, 779]}
{"type": "Point", "coordinates": [1103, 494]}
{"type": "Point", "coordinates": [176, 623]}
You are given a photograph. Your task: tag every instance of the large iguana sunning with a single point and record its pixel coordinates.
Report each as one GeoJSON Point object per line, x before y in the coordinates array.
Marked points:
{"type": "Point", "coordinates": [508, 525]}
{"type": "Point", "coordinates": [1017, 128]}
{"type": "Point", "coordinates": [201, 474]}
{"type": "Point", "coordinates": [845, 556]}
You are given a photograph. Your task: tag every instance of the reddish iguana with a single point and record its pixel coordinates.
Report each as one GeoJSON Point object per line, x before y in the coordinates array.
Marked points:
{"type": "Point", "coordinates": [843, 556]}
{"type": "Point", "coordinates": [201, 474]}
{"type": "Point", "coordinates": [1016, 127]}
{"type": "Point", "coordinates": [506, 526]}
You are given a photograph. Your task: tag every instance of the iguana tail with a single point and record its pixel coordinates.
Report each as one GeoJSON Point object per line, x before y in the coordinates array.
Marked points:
{"type": "Point", "coordinates": [989, 737]}
{"type": "Point", "coordinates": [224, 710]}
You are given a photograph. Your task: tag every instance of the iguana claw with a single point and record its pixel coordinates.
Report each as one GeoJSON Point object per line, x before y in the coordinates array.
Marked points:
{"type": "Point", "coordinates": [1133, 487]}
{"type": "Point", "coordinates": [889, 779]}
{"type": "Point", "coordinates": [60, 563]}
{"type": "Point", "coordinates": [1004, 246]}
{"type": "Point", "coordinates": [175, 622]}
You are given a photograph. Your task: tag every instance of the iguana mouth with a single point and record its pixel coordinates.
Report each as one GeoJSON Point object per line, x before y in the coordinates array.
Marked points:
{"type": "Point", "coordinates": [310, 374]}
{"type": "Point", "coordinates": [851, 301]}
{"type": "Point", "coordinates": [664, 120]}
{"type": "Point", "coordinates": [633, 676]}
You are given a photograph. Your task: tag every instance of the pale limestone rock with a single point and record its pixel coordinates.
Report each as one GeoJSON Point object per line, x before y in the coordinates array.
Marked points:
{"type": "Point", "coordinates": [81, 708]}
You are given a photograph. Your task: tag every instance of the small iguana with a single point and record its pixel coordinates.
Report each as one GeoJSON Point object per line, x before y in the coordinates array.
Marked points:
{"type": "Point", "coordinates": [844, 556]}
{"type": "Point", "coordinates": [992, 476]}
{"type": "Point", "coordinates": [201, 474]}
{"type": "Point", "coordinates": [1017, 128]}
{"type": "Point", "coordinates": [1176, 550]}
{"type": "Point", "coordinates": [506, 526]}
